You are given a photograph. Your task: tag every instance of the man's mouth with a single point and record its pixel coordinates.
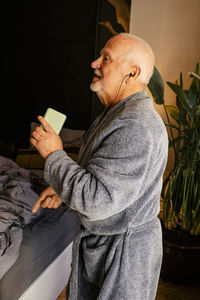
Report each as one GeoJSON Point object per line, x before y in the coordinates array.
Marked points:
{"type": "Point", "coordinates": [97, 75]}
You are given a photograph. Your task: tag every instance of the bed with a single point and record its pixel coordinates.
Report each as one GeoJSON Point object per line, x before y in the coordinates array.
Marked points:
{"type": "Point", "coordinates": [42, 267]}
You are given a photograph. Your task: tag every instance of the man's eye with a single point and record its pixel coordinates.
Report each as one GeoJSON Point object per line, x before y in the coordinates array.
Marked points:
{"type": "Point", "coordinates": [105, 58]}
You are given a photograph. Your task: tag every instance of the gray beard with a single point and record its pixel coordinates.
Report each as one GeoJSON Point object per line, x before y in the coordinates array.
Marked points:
{"type": "Point", "coordinates": [94, 87]}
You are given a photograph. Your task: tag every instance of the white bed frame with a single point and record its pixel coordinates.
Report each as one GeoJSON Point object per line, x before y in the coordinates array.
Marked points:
{"type": "Point", "coordinates": [53, 280]}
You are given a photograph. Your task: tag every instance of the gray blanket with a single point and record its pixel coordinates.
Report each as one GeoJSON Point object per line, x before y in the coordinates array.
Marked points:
{"type": "Point", "coordinates": [115, 189]}
{"type": "Point", "coordinates": [16, 201]}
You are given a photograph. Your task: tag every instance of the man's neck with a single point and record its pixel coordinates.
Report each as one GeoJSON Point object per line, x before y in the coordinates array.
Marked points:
{"type": "Point", "coordinates": [121, 98]}
{"type": "Point", "coordinates": [126, 93]}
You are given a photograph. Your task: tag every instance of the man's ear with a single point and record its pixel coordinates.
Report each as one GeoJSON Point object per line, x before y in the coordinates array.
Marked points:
{"type": "Point", "coordinates": [136, 71]}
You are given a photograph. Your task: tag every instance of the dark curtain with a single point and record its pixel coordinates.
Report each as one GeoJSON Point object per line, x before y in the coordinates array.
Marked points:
{"type": "Point", "coordinates": [46, 51]}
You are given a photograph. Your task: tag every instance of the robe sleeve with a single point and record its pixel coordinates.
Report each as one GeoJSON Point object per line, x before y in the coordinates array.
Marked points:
{"type": "Point", "coordinates": [114, 177]}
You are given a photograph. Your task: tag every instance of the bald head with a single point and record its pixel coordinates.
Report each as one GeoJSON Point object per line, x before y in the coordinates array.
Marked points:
{"type": "Point", "coordinates": [122, 54]}
{"type": "Point", "coordinates": [139, 53]}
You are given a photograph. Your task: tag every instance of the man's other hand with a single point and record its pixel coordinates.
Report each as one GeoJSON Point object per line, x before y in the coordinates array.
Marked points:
{"type": "Point", "coordinates": [47, 199]}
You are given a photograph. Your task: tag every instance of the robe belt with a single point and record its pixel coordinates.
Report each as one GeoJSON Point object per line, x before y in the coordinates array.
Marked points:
{"type": "Point", "coordinates": [131, 229]}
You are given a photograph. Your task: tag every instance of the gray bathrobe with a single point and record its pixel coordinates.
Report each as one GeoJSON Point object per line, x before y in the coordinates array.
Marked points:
{"type": "Point", "coordinates": [115, 190]}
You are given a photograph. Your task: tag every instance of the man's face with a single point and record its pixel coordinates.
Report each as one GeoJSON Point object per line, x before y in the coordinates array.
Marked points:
{"type": "Point", "coordinates": [110, 69]}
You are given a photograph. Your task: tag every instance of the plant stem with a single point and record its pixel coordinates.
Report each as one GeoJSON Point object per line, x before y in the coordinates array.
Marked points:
{"type": "Point", "coordinates": [171, 132]}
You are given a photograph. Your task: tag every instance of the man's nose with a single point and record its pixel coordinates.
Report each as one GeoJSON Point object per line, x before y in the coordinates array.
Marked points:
{"type": "Point", "coordinates": [96, 63]}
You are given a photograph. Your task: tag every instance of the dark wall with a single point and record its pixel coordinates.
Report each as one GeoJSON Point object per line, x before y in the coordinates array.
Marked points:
{"type": "Point", "coordinates": [105, 13]}
{"type": "Point", "coordinates": [46, 51]}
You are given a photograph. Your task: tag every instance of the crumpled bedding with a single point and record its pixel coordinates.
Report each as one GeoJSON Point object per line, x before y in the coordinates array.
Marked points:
{"type": "Point", "coordinates": [16, 201]}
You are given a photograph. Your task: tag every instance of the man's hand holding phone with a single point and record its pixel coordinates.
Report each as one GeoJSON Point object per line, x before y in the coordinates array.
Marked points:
{"type": "Point", "coordinates": [45, 138]}
{"type": "Point", "coordinates": [46, 141]}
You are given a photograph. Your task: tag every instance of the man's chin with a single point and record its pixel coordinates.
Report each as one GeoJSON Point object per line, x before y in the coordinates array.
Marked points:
{"type": "Point", "coordinates": [95, 86]}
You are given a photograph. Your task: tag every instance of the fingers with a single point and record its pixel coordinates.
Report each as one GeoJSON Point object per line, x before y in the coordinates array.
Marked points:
{"type": "Point", "coordinates": [52, 201]}
{"type": "Point", "coordinates": [48, 202]}
{"type": "Point", "coordinates": [33, 141]}
{"type": "Point", "coordinates": [45, 141]}
{"type": "Point", "coordinates": [57, 201]}
{"type": "Point", "coordinates": [38, 133]}
{"type": "Point", "coordinates": [55, 204]}
{"type": "Point", "coordinates": [45, 193]}
{"type": "Point", "coordinates": [45, 124]}
{"type": "Point", "coordinates": [36, 206]}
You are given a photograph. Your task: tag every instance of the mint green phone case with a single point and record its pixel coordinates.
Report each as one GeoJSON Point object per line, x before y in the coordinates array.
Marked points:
{"type": "Point", "coordinates": [55, 119]}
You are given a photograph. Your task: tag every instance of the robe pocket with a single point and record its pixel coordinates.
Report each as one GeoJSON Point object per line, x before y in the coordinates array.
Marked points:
{"type": "Point", "coordinates": [95, 249]}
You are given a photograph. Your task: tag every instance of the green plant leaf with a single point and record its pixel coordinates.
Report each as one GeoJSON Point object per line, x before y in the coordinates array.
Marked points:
{"type": "Point", "coordinates": [181, 79]}
{"type": "Point", "coordinates": [197, 113]}
{"type": "Point", "coordinates": [165, 183]}
{"type": "Point", "coordinates": [181, 189]}
{"type": "Point", "coordinates": [156, 87]}
{"type": "Point", "coordinates": [182, 96]}
{"type": "Point", "coordinates": [183, 112]}
{"type": "Point", "coordinates": [174, 112]}
{"type": "Point", "coordinates": [194, 90]}
{"type": "Point", "coordinates": [176, 140]}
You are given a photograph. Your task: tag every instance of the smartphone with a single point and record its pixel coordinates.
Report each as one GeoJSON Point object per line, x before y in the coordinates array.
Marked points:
{"type": "Point", "coordinates": [55, 119]}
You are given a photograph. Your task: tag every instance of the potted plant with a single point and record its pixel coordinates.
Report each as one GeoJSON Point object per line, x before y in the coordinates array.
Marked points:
{"type": "Point", "coordinates": [180, 198]}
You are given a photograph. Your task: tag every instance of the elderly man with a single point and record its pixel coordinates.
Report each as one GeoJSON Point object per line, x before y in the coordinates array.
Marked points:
{"type": "Point", "coordinates": [115, 186]}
